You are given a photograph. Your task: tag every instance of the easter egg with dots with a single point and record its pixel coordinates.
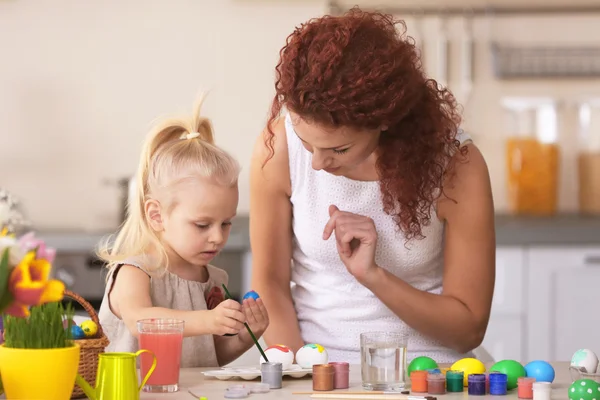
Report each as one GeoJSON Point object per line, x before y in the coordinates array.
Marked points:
{"type": "Point", "coordinates": [513, 370]}
{"type": "Point", "coordinates": [422, 364]}
{"type": "Point", "coordinates": [251, 295]}
{"type": "Point", "coordinates": [584, 389]}
{"type": "Point", "coordinates": [311, 354]}
{"type": "Point", "coordinates": [281, 354]}
{"type": "Point", "coordinates": [585, 358]}
{"type": "Point", "coordinates": [542, 371]}
{"type": "Point", "coordinates": [468, 366]}
{"type": "Point", "coordinates": [89, 328]}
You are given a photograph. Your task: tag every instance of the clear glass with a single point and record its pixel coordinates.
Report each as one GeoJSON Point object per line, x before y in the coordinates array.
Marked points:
{"type": "Point", "coordinates": [532, 155]}
{"type": "Point", "coordinates": [383, 360]}
{"type": "Point", "coordinates": [164, 338]}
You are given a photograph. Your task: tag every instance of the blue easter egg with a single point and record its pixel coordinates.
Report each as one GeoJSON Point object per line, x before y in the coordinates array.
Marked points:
{"type": "Point", "coordinates": [251, 295]}
{"type": "Point", "coordinates": [77, 332]}
{"type": "Point", "coordinates": [540, 370]}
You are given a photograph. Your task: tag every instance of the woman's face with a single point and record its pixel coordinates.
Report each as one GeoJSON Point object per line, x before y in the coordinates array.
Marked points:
{"type": "Point", "coordinates": [336, 151]}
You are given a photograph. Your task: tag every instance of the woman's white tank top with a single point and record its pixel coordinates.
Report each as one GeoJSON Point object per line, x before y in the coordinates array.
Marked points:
{"type": "Point", "coordinates": [333, 308]}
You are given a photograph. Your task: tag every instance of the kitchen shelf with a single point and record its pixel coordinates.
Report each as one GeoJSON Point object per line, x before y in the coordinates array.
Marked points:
{"type": "Point", "coordinates": [514, 62]}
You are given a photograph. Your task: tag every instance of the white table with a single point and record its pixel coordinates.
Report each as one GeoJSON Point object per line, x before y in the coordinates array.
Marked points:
{"type": "Point", "coordinates": [213, 388]}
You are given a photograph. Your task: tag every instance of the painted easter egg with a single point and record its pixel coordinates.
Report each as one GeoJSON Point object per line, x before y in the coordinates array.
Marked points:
{"type": "Point", "coordinates": [77, 332]}
{"type": "Point", "coordinates": [584, 389]}
{"type": "Point", "coordinates": [89, 328]}
{"type": "Point", "coordinates": [279, 353]}
{"type": "Point", "coordinates": [421, 364]}
{"type": "Point", "coordinates": [251, 295]}
{"type": "Point", "coordinates": [585, 358]}
{"type": "Point", "coordinates": [468, 366]}
{"type": "Point", "coordinates": [542, 371]}
{"type": "Point", "coordinates": [513, 370]}
{"type": "Point", "coordinates": [311, 354]}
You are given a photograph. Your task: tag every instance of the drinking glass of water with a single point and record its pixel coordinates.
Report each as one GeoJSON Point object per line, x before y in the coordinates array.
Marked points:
{"type": "Point", "coordinates": [383, 360]}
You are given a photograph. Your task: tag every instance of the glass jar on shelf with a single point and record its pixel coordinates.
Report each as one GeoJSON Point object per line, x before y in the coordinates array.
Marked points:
{"type": "Point", "coordinates": [588, 159]}
{"type": "Point", "coordinates": [532, 155]}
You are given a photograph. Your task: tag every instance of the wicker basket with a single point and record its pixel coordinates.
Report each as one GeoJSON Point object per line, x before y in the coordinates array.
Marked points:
{"type": "Point", "coordinates": [90, 348]}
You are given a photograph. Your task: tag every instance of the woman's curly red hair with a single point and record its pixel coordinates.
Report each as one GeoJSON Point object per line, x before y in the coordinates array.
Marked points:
{"type": "Point", "coordinates": [358, 71]}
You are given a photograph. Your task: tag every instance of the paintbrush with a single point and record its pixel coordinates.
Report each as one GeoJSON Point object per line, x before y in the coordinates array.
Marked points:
{"type": "Point", "coordinates": [262, 353]}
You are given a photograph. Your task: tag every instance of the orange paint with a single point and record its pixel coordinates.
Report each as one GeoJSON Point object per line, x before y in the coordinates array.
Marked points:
{"type": "Point", "coordinates": [418, 380]}
{"type": "Point", "coordinates": [525, 387]}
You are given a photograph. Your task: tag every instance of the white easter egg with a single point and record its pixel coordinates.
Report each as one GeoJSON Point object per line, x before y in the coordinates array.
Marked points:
{"type": "Point", "coordinates": [279, 353]}
{"type": "Point", "coordinates": [585, 358]}
{"type": "Point", "coordinates": [311, 354]}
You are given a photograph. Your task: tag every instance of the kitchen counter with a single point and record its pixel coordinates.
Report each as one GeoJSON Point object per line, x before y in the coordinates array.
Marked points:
{"type": "Point", "coordinates": [559, 230]}
{"type": "Point", "coordinates": [211, 388]}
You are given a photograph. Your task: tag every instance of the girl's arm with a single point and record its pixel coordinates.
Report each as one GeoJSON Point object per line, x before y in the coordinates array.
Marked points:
{"type": "Point", "coordinates": [130, 300]}
{"type": "Point", "coordinates": [458, 317]}
{"type": "Point", "coordinates": [271, 238]}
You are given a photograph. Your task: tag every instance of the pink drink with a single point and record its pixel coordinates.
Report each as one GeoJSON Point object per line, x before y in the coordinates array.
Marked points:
{"type": "Point", "coordinates": [163, 337]}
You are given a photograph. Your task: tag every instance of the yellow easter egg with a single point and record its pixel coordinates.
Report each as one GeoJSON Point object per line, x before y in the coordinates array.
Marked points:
{"type": "Point", "coordinates": [468, 366]}
{"type": "Point", "coordinates": [89, 328]}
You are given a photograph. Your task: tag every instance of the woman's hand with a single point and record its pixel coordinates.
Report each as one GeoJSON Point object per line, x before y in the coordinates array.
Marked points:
{"type": "Point", "coordinates": [356, 241]}
{"type": "Point", "coordinates": [257, 319]}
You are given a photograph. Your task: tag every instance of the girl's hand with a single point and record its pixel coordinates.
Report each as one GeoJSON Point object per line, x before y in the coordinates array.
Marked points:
{"type": "Point", "coordinates": [227, 318]}
{"type": "Point", "coordinates": [356, 241]}
{"type": "Point", "coordinates": [256, 317]}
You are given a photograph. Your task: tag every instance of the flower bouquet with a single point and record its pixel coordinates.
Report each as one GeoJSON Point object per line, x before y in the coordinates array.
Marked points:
{"type": "Point", "coordinates": [38, 353]}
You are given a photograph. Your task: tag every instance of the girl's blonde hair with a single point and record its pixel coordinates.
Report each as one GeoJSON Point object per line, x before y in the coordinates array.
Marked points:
{"type": "Point", "coordinates": [175, 150]}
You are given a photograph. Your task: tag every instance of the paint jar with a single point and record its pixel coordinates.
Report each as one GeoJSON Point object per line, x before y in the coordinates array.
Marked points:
{"type": "Point", "coordinates": [418, 381]}
{"type": "Point", "coordinates": [436, 383]}
{"type": "Point", "coordinates": [455, 381]}
{"type": "Point", "coordinates": [525, 387]}
{"type": "Point", "coordinates": [323, 377]}
{"type": "Point", "coordinates": [341, 377]}
{"type": "Point", "coordinates": [542, 390]}
{"type": "Point", "coordinates": [434, 371]}
{"type": "Point", "coordinates": [498, 383]}
{"type": "Point", "coordinates": [476, 384]}
{"type": "Point", "coordinates": [271, 373]}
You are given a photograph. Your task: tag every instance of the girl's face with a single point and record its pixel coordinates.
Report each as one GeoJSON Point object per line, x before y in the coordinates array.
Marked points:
{"type": "Point", "coordinates": [336, 151]}
{"type": "Point", "coordinates": [198, 224]}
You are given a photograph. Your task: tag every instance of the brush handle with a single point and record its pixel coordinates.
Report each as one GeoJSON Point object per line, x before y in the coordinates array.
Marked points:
{"type": "Point", "coordinates": [262, 353]}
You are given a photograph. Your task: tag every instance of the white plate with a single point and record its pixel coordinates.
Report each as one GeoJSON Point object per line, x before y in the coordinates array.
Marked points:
{"type": "Point", "coordinates": [250, 373]}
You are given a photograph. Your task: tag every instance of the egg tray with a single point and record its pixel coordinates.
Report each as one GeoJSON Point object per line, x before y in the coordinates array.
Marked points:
{"type": "Point", "coordinates": [578, 373]}
{"type": "Point", "coordinates": [251, 373]}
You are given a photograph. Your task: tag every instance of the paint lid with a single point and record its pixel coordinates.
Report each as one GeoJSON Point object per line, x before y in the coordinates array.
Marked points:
{"type": "Point", "coordinates": [477, 377]}
{"type": "Point", "coordinates": [434, 371]}
{"type": "Point", "coordinates": [259, 388]}
{"type": "Point", "coordinates": [236, 393]}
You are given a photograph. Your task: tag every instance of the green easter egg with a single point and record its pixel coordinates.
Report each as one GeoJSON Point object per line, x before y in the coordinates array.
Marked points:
{"type": "Point", "coordinates": [584, 389]}
{"type": "Point", "coordinates": [513, 370]}
{"type": "Point", "coordinates": [421, 364]}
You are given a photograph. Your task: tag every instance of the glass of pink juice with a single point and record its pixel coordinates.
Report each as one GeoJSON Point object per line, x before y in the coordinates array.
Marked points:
{"type": "Point", "coordinates": [163, 337]}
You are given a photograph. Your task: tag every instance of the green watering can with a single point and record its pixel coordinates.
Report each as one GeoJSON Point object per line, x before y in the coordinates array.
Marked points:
{"type": "Point", "coordinates": [117, 377]}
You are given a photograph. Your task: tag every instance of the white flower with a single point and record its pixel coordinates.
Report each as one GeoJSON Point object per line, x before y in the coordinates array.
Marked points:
{"type": "Point", "coordinates": [5, 214]}
{"type": "Point", "coordinates": [16, 254]}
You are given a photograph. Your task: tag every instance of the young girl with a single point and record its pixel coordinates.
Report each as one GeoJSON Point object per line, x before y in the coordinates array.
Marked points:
{"type": "Point", "coordinates": [158, 264]}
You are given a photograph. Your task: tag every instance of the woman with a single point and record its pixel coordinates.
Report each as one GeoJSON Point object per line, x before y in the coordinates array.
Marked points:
{"type": "Point", "coordinates": [370, 189]}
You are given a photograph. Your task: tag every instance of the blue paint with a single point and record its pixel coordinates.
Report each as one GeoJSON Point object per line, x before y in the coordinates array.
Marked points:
{"type": "Point", "coordinates": [498, 383]}
{"type": "Point", "coordinates": [251, 295]}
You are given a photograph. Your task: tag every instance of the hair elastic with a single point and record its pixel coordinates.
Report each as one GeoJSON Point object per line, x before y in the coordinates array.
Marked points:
{"type": "Point", "coordinates": [190, 135]}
